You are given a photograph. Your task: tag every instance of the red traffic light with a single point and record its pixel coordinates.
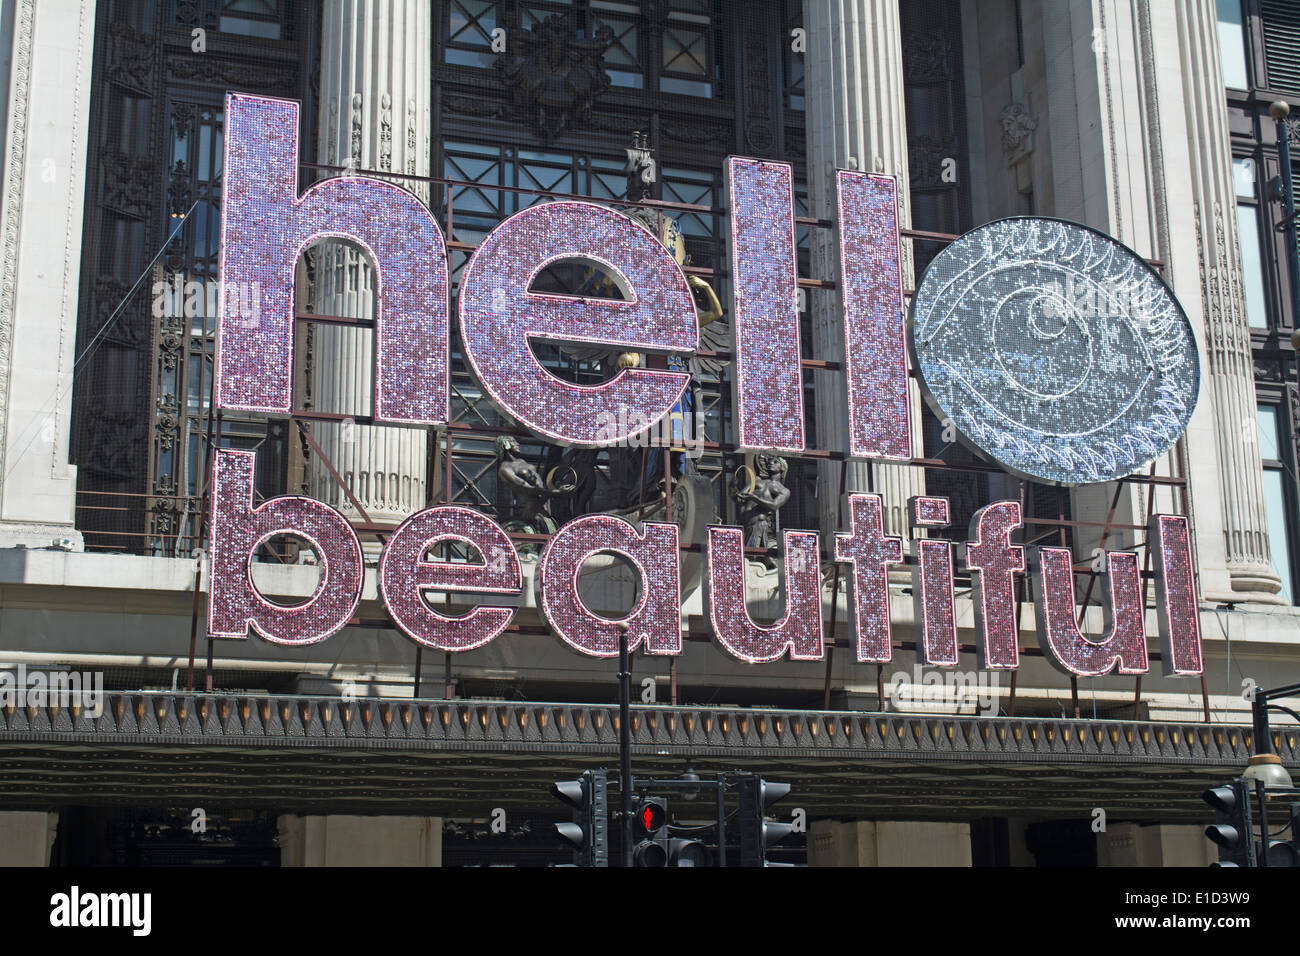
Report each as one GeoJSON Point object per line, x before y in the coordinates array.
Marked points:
{"type": "Point", "coordinates": [652, 816]}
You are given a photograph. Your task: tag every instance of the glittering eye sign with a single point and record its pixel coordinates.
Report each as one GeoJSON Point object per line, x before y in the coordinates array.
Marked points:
{"type": "Point", "coordinates": [1055, 351]}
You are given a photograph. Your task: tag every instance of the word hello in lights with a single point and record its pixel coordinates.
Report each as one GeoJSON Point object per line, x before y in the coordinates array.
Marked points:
{"type": "Point", "coordinates": [266, 225]}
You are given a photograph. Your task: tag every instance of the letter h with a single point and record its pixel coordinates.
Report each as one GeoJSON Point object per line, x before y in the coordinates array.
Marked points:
{"type": "Point", "coordinates": [265, 226]}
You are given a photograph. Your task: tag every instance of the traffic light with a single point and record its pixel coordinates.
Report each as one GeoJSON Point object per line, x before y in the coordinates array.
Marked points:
{"type": "Point", "coordinates": [588, 834]}
{"type": "Point", "coordinates": [756, 833]}
{"type": "Point", "coordinates": [651, 827]}
{"type": "Point", "coordinates": [1287, 852]}
{"type": "Point", "coordinates": [1283, 853]}
{"type": "Point", "coordinates": [683, 852]}
{"type": "Point", "coordinates": [656, 847]}
{"type": "Point", "coordinates": [1231, 830]}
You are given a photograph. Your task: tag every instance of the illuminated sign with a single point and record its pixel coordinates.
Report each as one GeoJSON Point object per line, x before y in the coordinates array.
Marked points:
{"type": "Point", "coordinates": [1054, 350]}
{"type": "Point", "coordinates": [1010, 382]}
{"type": "Point", "coordinates": [500, 317]}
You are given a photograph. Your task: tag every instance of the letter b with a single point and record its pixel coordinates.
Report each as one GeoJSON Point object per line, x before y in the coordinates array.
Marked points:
{"type": "Point", "coordinates": [238, 529]}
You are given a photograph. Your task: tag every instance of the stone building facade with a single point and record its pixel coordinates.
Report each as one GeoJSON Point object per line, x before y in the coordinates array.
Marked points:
{"type": "Point", "coordinates": [1123, 116]}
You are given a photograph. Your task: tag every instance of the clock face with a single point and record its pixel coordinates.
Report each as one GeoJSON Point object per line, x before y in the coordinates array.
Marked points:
{"type": "Point", "coordinates": [1054, 350]}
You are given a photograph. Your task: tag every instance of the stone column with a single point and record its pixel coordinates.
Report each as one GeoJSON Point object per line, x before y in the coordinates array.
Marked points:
{"type": "Point", "coordinates": [374, 117]}
{"type": "Point", "coordinates": [1130, 134]}
{"type": "Point", "coordinates": [855, 120]}
{"type": "Point", "coordinates": [26, 837]}
{"type": "Point", "coordinates": [1128, 844]}
{"type": "Point", "coordinates": [888, 843]}
{"type": "Point", "coordinates": [1228, 385]}
{"type": "Point", "coordinates": [344, 840]}
{"type": "Point", "coordinates": [42, 186]}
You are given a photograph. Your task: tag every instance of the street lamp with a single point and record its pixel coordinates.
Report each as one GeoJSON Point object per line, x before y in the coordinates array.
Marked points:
{"type": "Point", "coordinates": [693, 777]}
{"type": "Point", "coordinates": [1268, 769]}
{"type": "Point", "coordinates": [1280, 110]}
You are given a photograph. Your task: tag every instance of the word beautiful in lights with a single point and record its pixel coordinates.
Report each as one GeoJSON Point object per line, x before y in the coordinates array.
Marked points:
{"type": "Point", "coordinates": [265, 227]}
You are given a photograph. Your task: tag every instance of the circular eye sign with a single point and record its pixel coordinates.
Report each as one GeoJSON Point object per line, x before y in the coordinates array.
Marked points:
{"type": "Point", "coordinates": [1054, 350]}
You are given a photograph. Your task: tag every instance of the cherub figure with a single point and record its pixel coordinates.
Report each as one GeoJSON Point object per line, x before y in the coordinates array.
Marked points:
{"type": "Point", "coordinates": [762, 500]}
{"type": "Point", "coordinates": [526, 504]}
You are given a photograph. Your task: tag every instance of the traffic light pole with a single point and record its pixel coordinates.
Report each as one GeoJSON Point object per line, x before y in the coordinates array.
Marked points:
{"type": "Point", "coordinates": [721, 809]}
{"type": "Point", "coordinates": [1261, 705]}
{"type": "Point", "coordinates": [626, 782]}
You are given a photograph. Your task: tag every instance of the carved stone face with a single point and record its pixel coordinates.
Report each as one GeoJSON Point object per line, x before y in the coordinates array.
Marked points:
{"type": "Point", "coordinates": [769, 466]}
{"type": "Point", "coordinates": [1017, 125]}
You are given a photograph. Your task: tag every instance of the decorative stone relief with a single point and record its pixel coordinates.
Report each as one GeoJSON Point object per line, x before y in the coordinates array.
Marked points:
{"type": "Point", "coordinates": [553, 75]}
{"type": "Point", "coordinates": [1017, 132]}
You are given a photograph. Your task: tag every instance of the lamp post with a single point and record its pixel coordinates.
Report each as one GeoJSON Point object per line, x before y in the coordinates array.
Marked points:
{"type": "Point", "coordinates": [1264, 773]}
{"type": "Point", "coordinates": [1280, 110]}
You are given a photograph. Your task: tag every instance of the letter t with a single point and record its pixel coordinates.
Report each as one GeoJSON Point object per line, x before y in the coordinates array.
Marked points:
{"type": "Point", "coordinates": [870, 551]}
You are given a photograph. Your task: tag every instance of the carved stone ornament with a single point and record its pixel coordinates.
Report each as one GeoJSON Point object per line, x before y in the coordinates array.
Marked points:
{"type": "Point", "coordinates": [178, 189]}
{"type": "Point", "coordinates": [925, 158]}
{"type": "Point", "coordinates": [640, 169]}
{"type": "Point", "coordinates": [1293, 131]}
{"type": "Point", "coordinates": [128, 182]}
{"type": "Point", "coordinates": [553, 75]}
{"type": "Point", "coordinates": [386, 132]}
{"type": "Point", "coordinates": [1017, 131]}
{"type": "Point", "coordinates": [131, 57]}
{"type": "Point", "coordinates": [761, 493]}
{"type": "Point", "coordinates": [927, 57]}
{"type": "Point", "coordinates": [1293, 397]}
{"type": "Point", "coordinates": [209, 69]}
